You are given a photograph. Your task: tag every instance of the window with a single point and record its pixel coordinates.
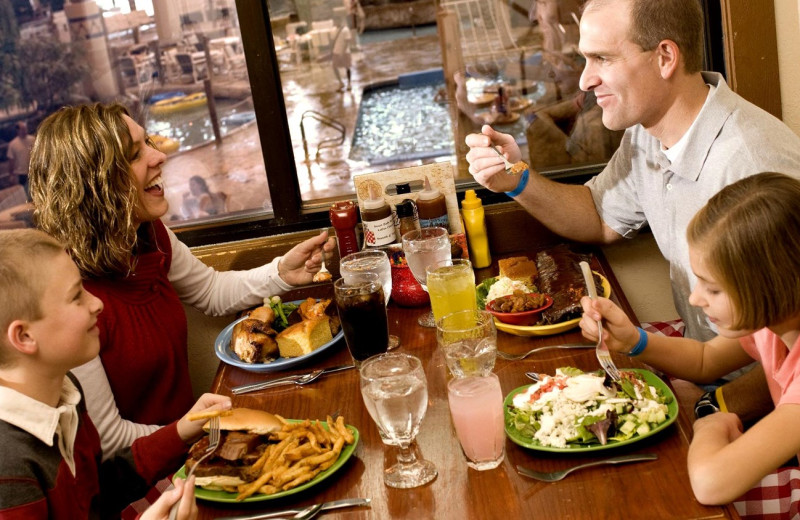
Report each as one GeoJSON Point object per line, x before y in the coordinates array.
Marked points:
{"type": "Point", "coordinates": [292, 135]}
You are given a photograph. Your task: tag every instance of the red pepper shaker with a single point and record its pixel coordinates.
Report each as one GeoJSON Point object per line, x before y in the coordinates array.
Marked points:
{"type": "Point", "coordinates": [344, 219]}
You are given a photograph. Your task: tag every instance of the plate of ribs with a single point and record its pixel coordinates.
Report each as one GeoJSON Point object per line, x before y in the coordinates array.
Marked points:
{"type": "Point", "coordinates": [556, 272]}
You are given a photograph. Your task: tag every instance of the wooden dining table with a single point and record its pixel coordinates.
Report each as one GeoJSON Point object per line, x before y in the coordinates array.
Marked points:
{"type": "Point", "coordinates": [657, 489]}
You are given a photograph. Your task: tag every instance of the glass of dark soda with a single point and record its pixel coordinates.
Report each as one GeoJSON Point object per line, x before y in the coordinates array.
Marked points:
{"type": "Point", "coordinates": [362, 310]}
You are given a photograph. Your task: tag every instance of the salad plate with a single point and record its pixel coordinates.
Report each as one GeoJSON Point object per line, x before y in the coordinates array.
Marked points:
{"type": "Point", "coordinates": [538, 330]}
{"type": "Point", "coordinates": [223, 496]}
{"type": "Point", "coordinates": [222, 347]}
{"type": "Point", "coordinates": [649, 377]}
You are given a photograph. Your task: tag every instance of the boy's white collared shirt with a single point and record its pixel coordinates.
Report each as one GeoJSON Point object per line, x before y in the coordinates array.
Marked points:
{"type": "Point", "coordinates": [45, 422]}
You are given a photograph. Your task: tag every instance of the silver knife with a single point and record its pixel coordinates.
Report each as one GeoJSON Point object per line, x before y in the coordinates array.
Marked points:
{"type": "Point", "coordinates": [347, 502]}
{"type": "Point", "coordinates": [252, 387]}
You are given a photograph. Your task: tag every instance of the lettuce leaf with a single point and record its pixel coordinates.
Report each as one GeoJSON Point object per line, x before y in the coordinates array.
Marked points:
{"type": "Point", "coordinates": [482, 291]}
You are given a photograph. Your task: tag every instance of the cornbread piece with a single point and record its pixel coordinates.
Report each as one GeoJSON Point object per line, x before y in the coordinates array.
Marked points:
{"type": "Point", "coordinates": [518, 167]}
{"type": "Point", "coordinates": [304, 337]}
{"type": "Point", "coordinates": [519, 268]}
{"type": "Point", "coordinates": [253, 341]}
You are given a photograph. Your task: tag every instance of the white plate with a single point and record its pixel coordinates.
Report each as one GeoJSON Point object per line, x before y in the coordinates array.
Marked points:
{"type": "Point", "coordinates": [222, 347]}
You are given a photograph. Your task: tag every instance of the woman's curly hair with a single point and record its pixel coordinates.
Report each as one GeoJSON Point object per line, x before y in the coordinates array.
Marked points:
{"type": "Point", "coordinates": [82, 189]}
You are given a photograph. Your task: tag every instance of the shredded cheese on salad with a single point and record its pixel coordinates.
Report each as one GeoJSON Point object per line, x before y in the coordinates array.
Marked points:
{"type": "Point", "coordinates": [573, 408]}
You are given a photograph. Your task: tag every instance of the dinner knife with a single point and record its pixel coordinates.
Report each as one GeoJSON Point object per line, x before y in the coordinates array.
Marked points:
{"type": "Point", "coordinates": [252, 387]}
{"type": "Point", "coordinates": [347, 502]}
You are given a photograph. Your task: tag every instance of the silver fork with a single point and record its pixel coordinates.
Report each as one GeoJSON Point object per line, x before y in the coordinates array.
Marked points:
{"type": "Point", "coordinates": [558, 475]}
{"type": "Point", "coordinates": [601, 349]}
{"type": "Point", "coordinates": [213, 442]}
{"type": "Point", "coordinates": [517, 357]}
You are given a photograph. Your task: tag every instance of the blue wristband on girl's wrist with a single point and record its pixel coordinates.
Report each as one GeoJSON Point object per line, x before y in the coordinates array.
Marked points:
{"type": "Point", "coordinates": [523, 181]}
{"type": "Point", "coordinates": [640, 345]}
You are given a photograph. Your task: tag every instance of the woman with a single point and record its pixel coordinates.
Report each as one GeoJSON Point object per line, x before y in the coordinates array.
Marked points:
{"type": "Point", "coordinates": [744, 248]}
{"type": "Point", "coordinates": [97, 187]}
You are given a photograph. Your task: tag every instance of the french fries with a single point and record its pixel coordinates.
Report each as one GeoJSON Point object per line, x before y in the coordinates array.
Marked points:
{"type": "Point", "coordinates": [302, 451]}
{"type": "Point", "coordinates": [207, 414]}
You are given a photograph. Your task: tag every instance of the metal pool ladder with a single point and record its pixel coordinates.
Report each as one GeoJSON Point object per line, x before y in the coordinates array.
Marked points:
{"type": "Point", "coordinates": [329, 142]}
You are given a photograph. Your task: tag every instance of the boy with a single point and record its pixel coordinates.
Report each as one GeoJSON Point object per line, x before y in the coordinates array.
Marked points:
{"type": "Point", "coordinates": [50, 458]}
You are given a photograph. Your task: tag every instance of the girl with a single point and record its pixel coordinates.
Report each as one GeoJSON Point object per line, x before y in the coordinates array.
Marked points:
{"type": "Point", "coordinates": [744, 248]}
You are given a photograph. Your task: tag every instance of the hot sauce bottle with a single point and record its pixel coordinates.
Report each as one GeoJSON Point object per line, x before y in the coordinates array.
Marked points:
{"type": "Point", "coordinates": [344, 219]}
{"type": "Point", "coordinates": [378, 222]}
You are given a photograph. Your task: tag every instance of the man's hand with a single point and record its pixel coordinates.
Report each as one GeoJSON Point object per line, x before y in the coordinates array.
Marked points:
{"type": "Point", "coordinates": [485, 165]}
{"type": "Point", "coordinates": [298, 266]}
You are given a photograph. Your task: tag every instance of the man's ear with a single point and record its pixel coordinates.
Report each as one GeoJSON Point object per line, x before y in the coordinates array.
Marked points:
{"type": "Point", "coordinates": [20, 337]}
{"type": "Point", "coordinates": [669, 57]}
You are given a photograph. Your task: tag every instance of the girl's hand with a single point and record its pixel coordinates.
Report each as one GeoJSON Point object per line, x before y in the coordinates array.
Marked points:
{"type": "Point", "coordinates": [298, 266]}
{"type": "Point", "coordinates": [620, 334]}
{"type": "Point", "coordinates": [187, 510]}
{"type": "Point", "coordinates": [191, 431]}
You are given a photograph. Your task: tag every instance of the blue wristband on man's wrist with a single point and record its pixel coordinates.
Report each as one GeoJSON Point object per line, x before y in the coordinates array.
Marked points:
{"type": "Point", "coordinates": [640, 345]}
{"type": "Point", "coordinates": [523, 181]}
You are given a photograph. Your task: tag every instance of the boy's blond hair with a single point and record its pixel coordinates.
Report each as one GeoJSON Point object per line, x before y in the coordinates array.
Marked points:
{"type": "Point", "coordinates": [23, 258]}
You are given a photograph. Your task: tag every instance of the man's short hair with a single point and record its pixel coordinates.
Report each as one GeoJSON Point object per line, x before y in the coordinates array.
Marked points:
{"type": "Point", "coordinates": [23, 260]}
{"type": "Point", "coordinates": [653, 21]}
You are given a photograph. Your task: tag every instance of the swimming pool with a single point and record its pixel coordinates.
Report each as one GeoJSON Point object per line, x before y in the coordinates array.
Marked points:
{"type": "Point", "coordinates": [402, 121]}
{"type": "Point", "coordinates": [192, 127]}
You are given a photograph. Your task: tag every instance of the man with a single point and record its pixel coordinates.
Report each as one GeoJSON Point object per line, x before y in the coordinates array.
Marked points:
{"type": "Point", "coordinates": [19, 155]}
{"type": "Point", "coordinates": [687, 136]}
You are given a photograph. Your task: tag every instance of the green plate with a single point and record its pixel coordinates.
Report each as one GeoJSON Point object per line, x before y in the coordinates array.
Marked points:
{"type": "Point", "coordinates": [224, 496]}
{"type": "Point", "coordinates": [652, 379]}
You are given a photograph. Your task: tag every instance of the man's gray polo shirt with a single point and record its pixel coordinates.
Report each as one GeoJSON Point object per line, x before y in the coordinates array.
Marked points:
{"type": "Point", "coordinates": [730, 139]}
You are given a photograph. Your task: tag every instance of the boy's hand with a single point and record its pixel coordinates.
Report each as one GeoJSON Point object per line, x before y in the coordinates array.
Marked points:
{"type": "Point", "coordinates": [187, 510]}
{"type": "Point", "coordinates": [191, 431]}
{"type": "Point", "coordinates": [298, 266]}
{"type": "Point", "coordinates": [619, 333]}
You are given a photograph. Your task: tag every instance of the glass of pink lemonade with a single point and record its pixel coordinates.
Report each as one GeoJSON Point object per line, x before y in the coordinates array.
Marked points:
{"type": "Point", "coordinates": [476, 407]}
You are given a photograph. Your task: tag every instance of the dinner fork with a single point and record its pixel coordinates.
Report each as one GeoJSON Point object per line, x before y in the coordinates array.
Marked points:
{"type": "Point", "coordinates": [213, 442]}
{"type": "Point", "coordinates": [517, 357]}
{"type": "Point", "coordinates": [601, 349]}
{"type": "Point", "coordinates": [558, 475]}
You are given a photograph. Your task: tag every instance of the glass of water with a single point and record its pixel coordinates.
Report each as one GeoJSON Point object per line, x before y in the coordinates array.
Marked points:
{"type": "Point", "coordinates": [395, 393]}
{"type": "Point", "coordinates": [468, 341]}
{"type": "Point", "coordinates": [354, 266]}
{"type": "Point", "coordinates": [424, 247]}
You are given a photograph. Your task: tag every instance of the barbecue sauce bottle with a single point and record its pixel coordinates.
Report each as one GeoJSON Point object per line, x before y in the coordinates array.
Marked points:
{"type": "Point", "coordinates": [432, 207]}
{"type": "Point", "coordinates": [378, 222]}
{"type": "Point", "coordinates": [477, 238]}
{"type": "Point", "coordinates": [344, 219]}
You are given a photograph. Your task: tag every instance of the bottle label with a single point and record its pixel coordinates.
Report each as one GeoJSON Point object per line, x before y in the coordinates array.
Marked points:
{"type": "Point", "coordinates": [379, 232]}
{"type": "Point", "coordinates": [434, 222]}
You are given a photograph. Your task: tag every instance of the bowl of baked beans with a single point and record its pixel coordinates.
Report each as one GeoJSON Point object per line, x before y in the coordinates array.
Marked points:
{"type": "Point", "coordinates": [520, 308]}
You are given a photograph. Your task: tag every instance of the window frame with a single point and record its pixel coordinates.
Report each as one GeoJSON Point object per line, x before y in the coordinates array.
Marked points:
{"type": "Point", "coordinates": [291, 214]}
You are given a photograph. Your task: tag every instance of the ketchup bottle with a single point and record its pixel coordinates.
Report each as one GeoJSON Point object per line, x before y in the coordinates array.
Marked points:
{"type": "Point", "coordinates": [344, 219]}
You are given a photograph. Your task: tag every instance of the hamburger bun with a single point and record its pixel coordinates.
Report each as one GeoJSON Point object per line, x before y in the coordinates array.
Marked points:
{"type": "Point", "coordinates": [249, 420]}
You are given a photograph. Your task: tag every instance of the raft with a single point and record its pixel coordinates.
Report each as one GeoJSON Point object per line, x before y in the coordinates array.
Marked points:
{"type": "Point", "coordinates": [178, 104]}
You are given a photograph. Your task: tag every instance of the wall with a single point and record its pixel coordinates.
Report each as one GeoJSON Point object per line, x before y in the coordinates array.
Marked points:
{"type": "Point", "coordinates": [787, 16]}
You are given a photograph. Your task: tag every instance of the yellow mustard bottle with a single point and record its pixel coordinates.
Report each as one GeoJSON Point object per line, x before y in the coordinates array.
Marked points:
{"type": "Point", "coordinates": [475, 223]}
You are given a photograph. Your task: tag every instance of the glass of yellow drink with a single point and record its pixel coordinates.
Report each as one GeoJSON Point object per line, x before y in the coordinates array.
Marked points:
{"type": "Point", "coordinates": [451, 286]}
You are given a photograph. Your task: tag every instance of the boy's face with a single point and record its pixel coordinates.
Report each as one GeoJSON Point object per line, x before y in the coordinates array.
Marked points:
{"type": "Point", "coordinates": [67, 333]}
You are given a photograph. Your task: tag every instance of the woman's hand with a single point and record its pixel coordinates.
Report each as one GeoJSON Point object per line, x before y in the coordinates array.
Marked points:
{"type": "Point", "coordinates": [191, 431]}
{"type": "Point", "coordinates": [485, 165]}
{"type": "Point", "coordinates": [297, 267]}
{"type": "Point", "coordinates": [187, 510]}
{"type": "Point", "coordinates": [619, 333]}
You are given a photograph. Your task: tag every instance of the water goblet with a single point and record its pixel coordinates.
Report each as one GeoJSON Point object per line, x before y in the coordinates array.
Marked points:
{"type": "Point", "coordinates": [395, 393]}
{"type": "Point", "coordinates": [353, 267]}
{"type": "Point", "coordinates": [468, 342]}
{"type": "Point", "coordinates": [424, 247]}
